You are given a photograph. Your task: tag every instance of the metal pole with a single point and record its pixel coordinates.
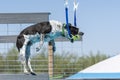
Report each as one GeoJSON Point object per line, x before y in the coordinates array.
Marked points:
{"type": "Point", "coordinates": [50, 59]}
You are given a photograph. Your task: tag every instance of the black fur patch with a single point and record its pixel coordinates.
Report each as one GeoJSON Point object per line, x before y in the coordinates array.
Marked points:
{"type": "Point", "coordinates": [43, 28]}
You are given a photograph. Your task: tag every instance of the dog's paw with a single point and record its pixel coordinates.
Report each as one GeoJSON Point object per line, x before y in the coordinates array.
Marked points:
{"type": "Point", "coordinates": [71, 40]}
{"type": "Point", "coordinates": [32, 73]}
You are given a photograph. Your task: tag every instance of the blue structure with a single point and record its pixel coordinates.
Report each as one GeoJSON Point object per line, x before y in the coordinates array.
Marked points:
{"type": "Point", "coordinates": [95, 76]}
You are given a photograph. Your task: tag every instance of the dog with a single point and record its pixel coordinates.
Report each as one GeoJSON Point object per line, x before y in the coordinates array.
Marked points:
{"type": "Point", "coordinates": [41, 32]}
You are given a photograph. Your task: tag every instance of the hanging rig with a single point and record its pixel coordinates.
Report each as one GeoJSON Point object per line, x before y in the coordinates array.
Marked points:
{"type": "Point", "coordinates": [75, 9]}
{"type": "Point", "coordinates": [75, 4]}
{"type": "Point", "coordinates": [67, 18]}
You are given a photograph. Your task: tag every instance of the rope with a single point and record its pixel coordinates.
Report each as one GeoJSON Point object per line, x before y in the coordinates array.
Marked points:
{"type": "Point", "coordinates": [75, 10]}
{"type": "Point", "coordinates": [66, 13]}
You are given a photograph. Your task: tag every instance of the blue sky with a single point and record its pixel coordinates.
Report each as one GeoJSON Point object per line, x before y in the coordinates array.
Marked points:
{"type": "Point", "coordinates": [98, 19]}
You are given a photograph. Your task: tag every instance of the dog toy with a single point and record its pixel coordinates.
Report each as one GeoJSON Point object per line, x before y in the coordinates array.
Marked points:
{"type": "Point", "coordinates": [76, 37]}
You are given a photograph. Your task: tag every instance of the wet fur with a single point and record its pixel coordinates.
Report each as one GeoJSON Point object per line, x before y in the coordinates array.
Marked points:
{"type": "Point", "coordinates": [42, 28]}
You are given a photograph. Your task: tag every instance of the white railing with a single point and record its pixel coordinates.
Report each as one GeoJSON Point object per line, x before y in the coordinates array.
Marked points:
{"type": "Point", "coordinates": [39, 66]}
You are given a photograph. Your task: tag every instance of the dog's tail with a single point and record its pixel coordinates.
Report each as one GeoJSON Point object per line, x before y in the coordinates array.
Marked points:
{"type": "Point", "coordinates": [19, 42]}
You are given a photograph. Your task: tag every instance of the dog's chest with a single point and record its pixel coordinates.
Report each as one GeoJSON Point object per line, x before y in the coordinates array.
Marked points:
{"type": "Point", "coordinates": [36, 38]}
{"type": "Point", "coordinates": [51, 36]}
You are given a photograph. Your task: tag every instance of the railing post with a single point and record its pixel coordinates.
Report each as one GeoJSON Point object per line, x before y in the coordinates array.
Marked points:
{"type": "Point", "coordinates": [50, 59]}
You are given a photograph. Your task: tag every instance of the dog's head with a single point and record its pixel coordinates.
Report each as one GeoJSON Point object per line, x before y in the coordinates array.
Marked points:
{"type": "Point", "coordinates": [75, 33]}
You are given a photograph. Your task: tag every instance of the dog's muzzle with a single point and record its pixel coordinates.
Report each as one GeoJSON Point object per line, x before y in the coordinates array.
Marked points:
{"type": "Point", "coordinates": [81, 33]}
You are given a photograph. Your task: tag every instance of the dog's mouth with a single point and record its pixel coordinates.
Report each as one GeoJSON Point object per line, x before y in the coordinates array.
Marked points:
{"type": "Point", "coordinates": [77, 36]}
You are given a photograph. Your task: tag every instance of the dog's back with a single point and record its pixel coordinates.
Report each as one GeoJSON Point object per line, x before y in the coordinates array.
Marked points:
{"type": "Point", "coordinates": [43, 27]}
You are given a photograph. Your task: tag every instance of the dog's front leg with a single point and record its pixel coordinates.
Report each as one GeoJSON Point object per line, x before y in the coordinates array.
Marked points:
{"type": "Point", "coordinates": [41, 42]}
{"type": "Point", "coordinates": [53, 44]}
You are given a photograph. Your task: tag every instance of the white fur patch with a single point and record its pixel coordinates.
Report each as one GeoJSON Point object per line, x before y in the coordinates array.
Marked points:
{"type": "Point", "coordinates": [56, 26]}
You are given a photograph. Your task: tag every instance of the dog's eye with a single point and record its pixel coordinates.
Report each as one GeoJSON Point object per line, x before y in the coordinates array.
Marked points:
{"type": "Point", "coordinates": [76, 30]}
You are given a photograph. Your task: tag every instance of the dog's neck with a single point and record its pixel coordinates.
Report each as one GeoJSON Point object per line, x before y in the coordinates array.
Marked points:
{"type": "Point", "coordinates": [58, 27]}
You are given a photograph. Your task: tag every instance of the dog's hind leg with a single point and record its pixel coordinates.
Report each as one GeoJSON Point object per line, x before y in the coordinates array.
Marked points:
{"type": "Point", "coordinates": [23, 60]}
{"type": "Point", "coordinates": [28, 58]}
{"type": "Point", "coordinates": [30, 68]}
{"type": "Point", "coordinates": [22, 55]}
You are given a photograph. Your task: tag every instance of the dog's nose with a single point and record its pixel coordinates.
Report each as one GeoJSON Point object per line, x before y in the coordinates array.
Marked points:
{"type": "Point", "coordinates": [81, 33]}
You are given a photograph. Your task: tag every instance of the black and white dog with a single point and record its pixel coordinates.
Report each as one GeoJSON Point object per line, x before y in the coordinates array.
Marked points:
{"type": "Point", "coordinates": [41, 32]}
